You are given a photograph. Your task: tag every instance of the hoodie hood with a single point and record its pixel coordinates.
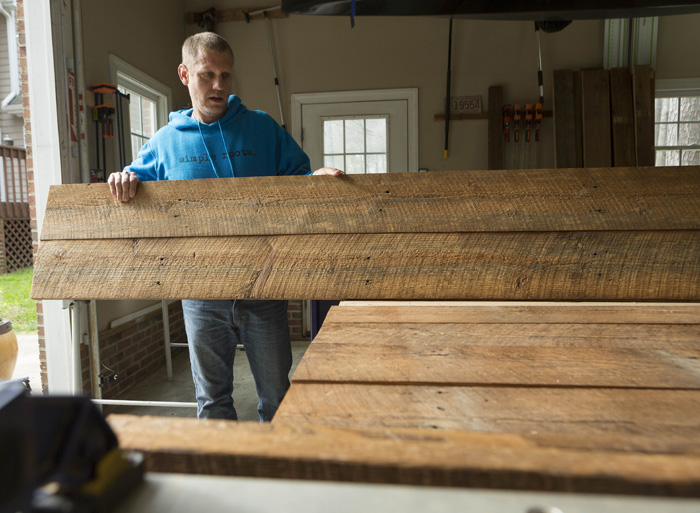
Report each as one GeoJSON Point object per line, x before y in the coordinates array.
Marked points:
{"type": "Point", "coordinates": [183, 120]}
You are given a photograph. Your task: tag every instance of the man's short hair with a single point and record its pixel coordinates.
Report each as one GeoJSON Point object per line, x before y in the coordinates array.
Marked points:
{"type": "Point", "coordinates": [203, 41]}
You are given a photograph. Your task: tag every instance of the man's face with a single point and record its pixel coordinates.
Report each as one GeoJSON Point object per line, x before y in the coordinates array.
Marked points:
{"type": "Point", "coordinates": [209, 82]}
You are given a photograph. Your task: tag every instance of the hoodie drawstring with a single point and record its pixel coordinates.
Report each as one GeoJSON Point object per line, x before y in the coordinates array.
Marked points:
{"type": "Point", "coordinates": [223, 139]}
{"type": "Point", "coordinates": [221, 131]}
{"type": "Point", "coordinates": [206, 148]}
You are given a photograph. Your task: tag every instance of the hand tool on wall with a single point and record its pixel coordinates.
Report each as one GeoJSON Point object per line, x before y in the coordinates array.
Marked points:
{"type": "Point", "coordinates": [538, 122]}
{"type": "Point", "coordinates": [516, 134]}
{"type": "Point", "coordinates": [528, 127]}
{"type": "Point", "coordinates": [506, 132]}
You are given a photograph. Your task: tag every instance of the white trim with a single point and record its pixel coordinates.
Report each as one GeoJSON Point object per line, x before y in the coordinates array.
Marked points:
{"type": "Point", "coordinates": [410, 95]}
{"type": "Point", "coordinates": [121, 72]}
{"type": "Point", "coordinates": [670, 87]}
{"type": "Point", "coordinates": [46, 151]}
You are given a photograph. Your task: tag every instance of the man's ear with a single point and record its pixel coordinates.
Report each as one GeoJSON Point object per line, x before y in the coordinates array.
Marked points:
{"type": "Point", "coordinates": [183, 73]}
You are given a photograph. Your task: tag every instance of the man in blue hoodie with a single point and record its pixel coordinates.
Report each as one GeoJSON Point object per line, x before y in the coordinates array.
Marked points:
{"type": "Point", "coordinates": [219, 137]}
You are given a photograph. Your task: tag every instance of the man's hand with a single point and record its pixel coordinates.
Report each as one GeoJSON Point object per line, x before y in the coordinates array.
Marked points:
{"type": "Point", "coordinates": [328, 171]}
{"type": "Point", "coordinates": [123, 185]}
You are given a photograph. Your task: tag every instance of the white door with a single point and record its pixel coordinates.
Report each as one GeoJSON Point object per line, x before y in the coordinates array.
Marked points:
{"type": "Point", "coordinates": [358, 131]}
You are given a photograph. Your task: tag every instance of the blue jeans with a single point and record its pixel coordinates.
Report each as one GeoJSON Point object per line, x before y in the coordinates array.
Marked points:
{"type": "Point", "coordinates": [213, 330]}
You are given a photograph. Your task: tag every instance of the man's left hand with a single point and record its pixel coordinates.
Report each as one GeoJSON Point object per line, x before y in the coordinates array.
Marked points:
{"type": "Point", "coordinates": [328, 171]}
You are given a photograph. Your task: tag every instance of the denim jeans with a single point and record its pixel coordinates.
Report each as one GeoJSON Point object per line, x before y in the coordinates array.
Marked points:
{"type": "Point", "coordinates": [213, 330]}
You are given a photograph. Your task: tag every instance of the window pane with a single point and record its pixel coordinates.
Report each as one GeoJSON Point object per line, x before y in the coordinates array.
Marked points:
{"type": "Point", "coordinates": [690, 108]}
{"type": "Point", "coordinates": [667, 157]}
{"type": "Point", "coordinates": [666, 134]}
{"type": "Point", "coordinates": [376, 163]}
{"type": "Point", "coordinates": [336, 161]}
{"type": "Point", "coordinates": [690, 158]}
{"type": "Point", "coordinates": [149, 118]}
{"type": "Point", "coordinates": [354, 135]}
{"type": "Point", "coordinates": [376, 135]}
{"type": "Point", "coordinates": [666, 109]}
{"type": "Point", "coordinates": [333, 136]}
{"type": "Point", "coordinates": [688, 133]}
{"type": "Point", "coordinates": [355, 164]}
{"type": "Point", "coordinates": [135, 113]}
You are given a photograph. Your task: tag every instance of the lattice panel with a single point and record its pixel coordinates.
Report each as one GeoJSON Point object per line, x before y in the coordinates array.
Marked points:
{"type": "Point", "coordinates": [18, 244]}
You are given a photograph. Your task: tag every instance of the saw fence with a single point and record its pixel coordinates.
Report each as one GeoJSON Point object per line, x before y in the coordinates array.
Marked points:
{"type": "Point", "coordinates": [552, 342]}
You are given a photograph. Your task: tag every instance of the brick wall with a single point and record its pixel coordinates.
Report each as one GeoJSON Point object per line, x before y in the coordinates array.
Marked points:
{"type": "Point", "coordinates": [135, 350]}
{"type": "Point", "coordinates": [295, 321]}
{"type": "Point", "coordinates": [22, 48]}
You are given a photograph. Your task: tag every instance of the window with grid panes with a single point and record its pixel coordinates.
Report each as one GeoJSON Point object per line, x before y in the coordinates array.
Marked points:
{"type": "Point", "coordinates": [142, 113]}
{"type": "Point", "coordinates": [356, 145]}
{"type": "Point", "coordinates": [677, 128]}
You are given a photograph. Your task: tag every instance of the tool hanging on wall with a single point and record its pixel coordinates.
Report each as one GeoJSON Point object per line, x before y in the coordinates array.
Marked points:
{"type": "Point", "coordinates": [266, 14]}
{"type": "Point", "coordinates": [102, 115]}
{"type": "Point", "coordinates": [528, 127]}
{"type": "Point", "coordinates": [447, 94]}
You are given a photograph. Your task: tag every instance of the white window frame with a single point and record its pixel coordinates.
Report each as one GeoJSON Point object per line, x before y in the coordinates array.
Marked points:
{"type": "Point", "coordinates": [672, 88]}
{"type": "Point", "coordinates": [409, 95]}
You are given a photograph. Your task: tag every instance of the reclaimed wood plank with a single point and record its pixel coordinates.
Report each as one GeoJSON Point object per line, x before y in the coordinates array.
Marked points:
{"type": "Point", "coordinates": [616, 266]}
{"type": "Point", "coordinates": [572, 411]}
{"type": "Point", "coordinates": [622, 106]}
{"type": "Point", "coordinates": [515, 312]}
{"type": "Point", "coordinates": [564, 119]}
{"type": "Point", "coordinates": [495, 116]}
{"type": "Point", "coordinates": [595, 91]}
{"type": "Point", "coordinates": [644, 115]}
{"type": "Point", "coordinates": [559, 355]}
{"type": "Point", "coordinates": [411, 456]}
{"type": "Point", "coordinates": [451, 201]}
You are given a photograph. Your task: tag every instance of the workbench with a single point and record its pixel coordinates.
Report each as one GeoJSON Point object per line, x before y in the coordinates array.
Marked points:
{"type": "Point", "coordinates": [552, 340]}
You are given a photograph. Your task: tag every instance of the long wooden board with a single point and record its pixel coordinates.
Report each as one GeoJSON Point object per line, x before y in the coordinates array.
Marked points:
{"type": "Point", "coordinates": [560, 355]}
{"type": "Point", "coordinates": [615, 266]}
{"type": "Point", "coordinates": [597, 144]}
{"type": "Point", "coordinates": [566, 129]}
{"type": "Point", "coordinates": [622, 110]}
{"type": "Point", "coordinates": [409, 456]}
{"type": "Point", "coordinates": [644, 115]}
{"type": "Point", "coordinates": [565, 411]}
{"type": "Point", "coordinates": [511, 312]}
{"type": "Point", "coordinates": [452, 201]}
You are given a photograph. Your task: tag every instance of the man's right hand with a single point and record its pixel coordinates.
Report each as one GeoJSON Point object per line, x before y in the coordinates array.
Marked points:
{"type": "Point", "coordinates": [123, 185]}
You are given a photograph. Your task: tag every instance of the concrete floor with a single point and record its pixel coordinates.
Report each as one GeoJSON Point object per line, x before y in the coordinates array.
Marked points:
{"type": "Point", "coordinates": [27, 365]}
{"type": "Point", "coordinates": [157, 387]}
{"type": "Point", "coordinates": [181, 389]}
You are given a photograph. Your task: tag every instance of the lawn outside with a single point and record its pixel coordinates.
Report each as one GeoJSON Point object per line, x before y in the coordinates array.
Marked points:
{"type": "Point", "coordinates": [15, 304]}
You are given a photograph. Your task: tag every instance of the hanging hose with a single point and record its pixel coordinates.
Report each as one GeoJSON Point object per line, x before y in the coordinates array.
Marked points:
{"type": "Point", "coordinates": [447, 94]}
{"type": "Point", "coordinates": [274, 69]}
{"type": "Point", "coordinates": [539, 63]}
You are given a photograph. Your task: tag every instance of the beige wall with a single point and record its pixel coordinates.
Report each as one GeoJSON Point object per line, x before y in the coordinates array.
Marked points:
{"type": "Point", "coordinates": [678, 50]}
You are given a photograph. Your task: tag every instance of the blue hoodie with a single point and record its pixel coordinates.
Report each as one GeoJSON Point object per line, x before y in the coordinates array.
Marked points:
{"type": "Point", "coordinates": [241, 143]}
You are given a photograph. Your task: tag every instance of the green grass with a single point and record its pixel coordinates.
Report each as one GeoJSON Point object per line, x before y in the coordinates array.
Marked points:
{"type": "Point", "coordinates": [15, 304]}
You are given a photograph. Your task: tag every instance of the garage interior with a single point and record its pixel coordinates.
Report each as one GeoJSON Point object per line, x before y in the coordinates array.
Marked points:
{"type": "Point", "coordinates": [525, 333]}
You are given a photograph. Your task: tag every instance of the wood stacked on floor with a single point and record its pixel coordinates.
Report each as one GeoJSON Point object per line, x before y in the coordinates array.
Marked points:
{"type": "Point", "coordinates": [603, 117]}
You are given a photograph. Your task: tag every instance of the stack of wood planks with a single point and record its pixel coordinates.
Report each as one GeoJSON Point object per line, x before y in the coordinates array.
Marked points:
{"type": "Point", "coordinates": [603, 118]}
{"type": "Point", "coordinates": [578, 368]}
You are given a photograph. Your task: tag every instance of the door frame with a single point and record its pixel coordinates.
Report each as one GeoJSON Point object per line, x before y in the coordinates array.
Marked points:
{"type": "Point", "coordinates": [410, 95]}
